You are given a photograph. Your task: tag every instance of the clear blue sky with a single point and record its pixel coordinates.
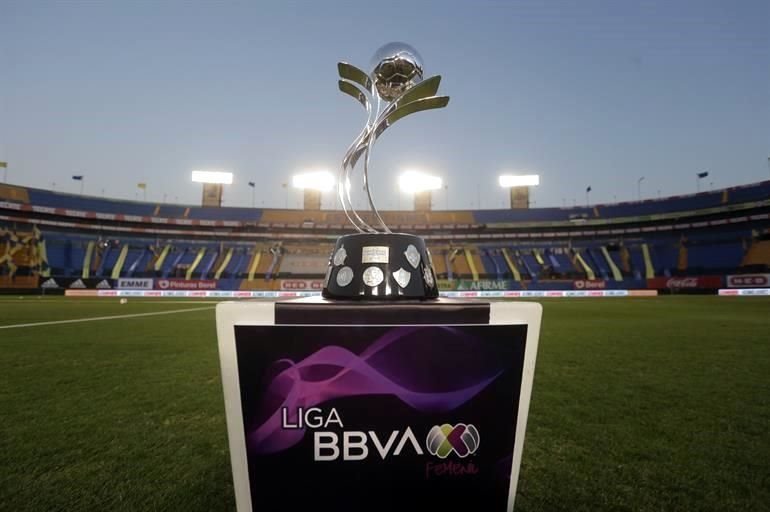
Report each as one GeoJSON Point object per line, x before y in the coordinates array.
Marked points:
{"type": "Point", "coordinates": [583, 93]}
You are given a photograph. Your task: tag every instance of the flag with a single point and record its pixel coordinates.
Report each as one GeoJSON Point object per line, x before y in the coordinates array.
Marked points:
{"type": "Point", "coordinates": [703, 174]}
{"type": "Point", "coordinates": [588, 189]}
{"type": "Point", "coordinates": [3, 165]}
{"type": "Point", "coordinates": [142, 185]}
{"type": "Point", "coordinates": [78, 178]}
{"type": "Point", "coordinates": [252, 184]}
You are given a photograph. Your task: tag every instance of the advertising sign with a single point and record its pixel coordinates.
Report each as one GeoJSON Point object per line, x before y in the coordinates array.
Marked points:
{"type": "Point", "coordinates": [302, 284]}
{"type": "Point", "coordinates": [590, 284]}
{"type": "Point", "coordinates": [75, 283]}
{"type": "Point", "coordinates": [369, 416]}
{"type": "Point", "coordinates": [471, 285]}
{"type": "Point", "coordinates": [748, 281]}
{"type": "Point", "coordinates": [135, 283]}
{"type": "Point", "coordinates": [685, 283]}
{"type": "Point", "coordinates": [18, 282]}
{"type": "Point", "coordinates": [185, 284]}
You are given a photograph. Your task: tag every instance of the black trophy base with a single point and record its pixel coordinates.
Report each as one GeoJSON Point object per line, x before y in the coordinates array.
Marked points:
{"type": "Point", "coordinates": [381, 266]}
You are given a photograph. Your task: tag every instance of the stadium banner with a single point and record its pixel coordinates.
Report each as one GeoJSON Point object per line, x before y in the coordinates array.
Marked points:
{"type": "Point", "coordinates": [265, 294]}
{"type": "Point", "coordinates": [438, 413]}
{"type": "Point", "coordinates": [135, 283]}
{"type": "Point", "coordinates": [744, 292]}
{"type": "Point", "coordinates": [642, 293]}
{"type": "Point", "coordinates": [301, 284]}
{"type": "Point", "coordinates": [685, 283]}
{"type": "Point", "coordinates": [480, 285]}
{"type": "Point", "coordinates": [589, 284]}
{"type": "Point", "coordinates": [185, 284]}
{"type": "Point", "coordinates": [76, 283]}
{"type": "Point", "coordinates": [536, 293]}
{"type": "Point", "coordinates": [19, 282]}
{"type": "Point", "coordinates": [748, 281]}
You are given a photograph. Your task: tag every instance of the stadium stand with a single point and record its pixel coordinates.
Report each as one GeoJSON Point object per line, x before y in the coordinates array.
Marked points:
{"type": "Point", "coordinates": [48, 234]}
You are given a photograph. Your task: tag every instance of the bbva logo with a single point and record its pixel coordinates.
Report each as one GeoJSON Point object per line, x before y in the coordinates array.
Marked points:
{"type": "Point", "coordinates": [444, 439]}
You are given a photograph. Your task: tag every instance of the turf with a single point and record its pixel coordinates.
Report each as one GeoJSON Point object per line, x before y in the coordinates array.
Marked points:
{"type": "Point", "coordinates": [654, 404]}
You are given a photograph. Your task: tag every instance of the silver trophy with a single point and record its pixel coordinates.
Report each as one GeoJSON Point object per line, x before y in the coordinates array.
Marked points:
{"type": "Point", "coordinates": [376, 263]}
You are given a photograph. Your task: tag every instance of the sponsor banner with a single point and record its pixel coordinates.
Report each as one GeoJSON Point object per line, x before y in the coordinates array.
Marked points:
{"type": "Point", "coordinates": [540, 293]}
{"type": "Point", "coordinates": [83, 293]}
{"type": "Point", "coordinates": [643, 293]}
{"type": "Point", "coordinates": [417, 416]}
{"type": "Point", "coordinates": [228, 294]}
{"type": "Point", "coordinates": [76, 283]}
{"type": "Point", "coordinates": [301, 284]}
{"type": "Point", "coordinates": [18, 282]}
{"type": "Point", "coordinates": [748, 281]}
{"type": "Point", "coordinates": [590, 284]}
{"type": "Point", "coordinates": [135, 283]}
{"type": "Point", "coordinates": [480, 285]}
{"type": "Point", "coordinates": [744, 292]}
{"type": "Point", "coordinates": [685, 283]}
{"type": "Point", "coordinates": [185, 284]}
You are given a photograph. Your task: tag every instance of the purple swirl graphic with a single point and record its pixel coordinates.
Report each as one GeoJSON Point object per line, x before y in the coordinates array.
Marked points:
{"type": "Point", "coordinates": [428, 368]}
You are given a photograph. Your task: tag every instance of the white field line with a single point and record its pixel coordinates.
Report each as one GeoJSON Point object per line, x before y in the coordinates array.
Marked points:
{"type": "Point", "coordinates": [100, 318]}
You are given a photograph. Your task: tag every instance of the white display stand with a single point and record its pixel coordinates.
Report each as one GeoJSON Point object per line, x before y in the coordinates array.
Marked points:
{"type": "Point", "coordinates": [254, 335]}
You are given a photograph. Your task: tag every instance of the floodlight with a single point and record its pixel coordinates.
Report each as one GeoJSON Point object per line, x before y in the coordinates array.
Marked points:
{"type": "Point", "coordinates": [323, 181]}
{"type": "Point", "coordinates": [217, 177]}
{"type": "Point", "coordinates": [414, 182]}
{"type": "Point", "coordinates": [526, 180]}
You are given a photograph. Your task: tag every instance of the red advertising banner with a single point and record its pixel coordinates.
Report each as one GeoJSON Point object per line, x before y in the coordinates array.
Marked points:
{"type": "Point", "coordinates": [185, 284]}
{"type": "Point", "coordinates": [590, 284]}
{"type": "Point", "coordinates": [749, 281]}
{"type": "Point", "coordinates": [302, 285]}
{"type": "Point", "coordinates": [685, 283]}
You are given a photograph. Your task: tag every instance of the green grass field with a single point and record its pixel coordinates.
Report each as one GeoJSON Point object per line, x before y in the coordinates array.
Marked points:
{"type": "Point", "coordinates": [650, 404]}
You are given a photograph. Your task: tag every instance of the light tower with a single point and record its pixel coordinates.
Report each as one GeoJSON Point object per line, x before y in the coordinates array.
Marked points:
{"type": "Point", "coordinates": [519, 188]}
{"type": "Point", "coordinates": [420, 185]}
{"type": "Point", "coordinates": [213, 184]}
{"type": "Point", "coordinates": [313, 184]}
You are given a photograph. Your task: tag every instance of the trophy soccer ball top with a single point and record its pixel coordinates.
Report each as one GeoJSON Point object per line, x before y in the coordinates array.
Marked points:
{"type": "Point", "coordinates": [376, 263]}
{"type": "Point", "coordinates": [396, 68]}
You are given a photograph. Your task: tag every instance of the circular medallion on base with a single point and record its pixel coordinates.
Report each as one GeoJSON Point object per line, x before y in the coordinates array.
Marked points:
{"type": "Point", "coordinates": [381, 266]}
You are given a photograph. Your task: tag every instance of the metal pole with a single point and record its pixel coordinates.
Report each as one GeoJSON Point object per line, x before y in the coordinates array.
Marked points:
{"type": "Point", "coordinates": [446, 192]}
{"type": "Point", "coordinates": [5, 174]}
{"type": "Point", "coordinates": [639, 188]}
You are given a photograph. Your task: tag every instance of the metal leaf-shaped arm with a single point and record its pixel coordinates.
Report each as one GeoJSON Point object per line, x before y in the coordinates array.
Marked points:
{"type": "Point", "coordinates": [360, 91]}
{"type": "Point", "coordinates": [357, 84]}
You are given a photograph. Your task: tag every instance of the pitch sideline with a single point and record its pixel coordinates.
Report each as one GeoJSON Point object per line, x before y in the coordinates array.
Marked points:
{"type": "Point", "coordinates": [101, 318]}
